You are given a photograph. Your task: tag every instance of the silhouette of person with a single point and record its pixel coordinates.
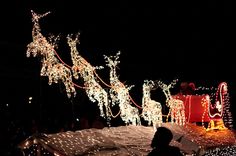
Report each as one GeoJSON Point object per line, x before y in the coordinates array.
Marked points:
{"type": "Point", "coordinates": [160, 144]}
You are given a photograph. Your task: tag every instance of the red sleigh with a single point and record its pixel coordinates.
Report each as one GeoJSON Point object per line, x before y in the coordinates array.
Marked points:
{"type": "Point", "coordinates": [195, 107]}
{"type": "Point", "coordinates": [198, 108]}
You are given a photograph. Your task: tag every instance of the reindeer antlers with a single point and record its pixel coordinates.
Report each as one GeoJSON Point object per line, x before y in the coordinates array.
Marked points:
{"type": "Point", "coordinates": [75, 40]}
{"type": "Point", "coordinates": [151, 84]}
{"type": "Point", "coordinates": [112, 60]}
{"type": "Point", "coordinates": [162, 85]}
{"type": "Point", "coordinates": [38, 16]}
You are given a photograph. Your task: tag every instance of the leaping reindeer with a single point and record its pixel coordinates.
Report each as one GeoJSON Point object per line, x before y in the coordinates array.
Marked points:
{"type": "Point", "coordinates": [85, 70]}
{"type": "Point", "coordinates": [176, 106]}
{"type": "Point", "coordinates": [120, 93]}
{"type": "Point", "coordinates": [152, 110]}
{"type": "Point", "coordinates": [51, 66]}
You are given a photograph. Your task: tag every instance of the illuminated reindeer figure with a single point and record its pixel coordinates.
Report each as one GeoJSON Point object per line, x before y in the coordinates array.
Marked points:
{"type": "Point", "coordinates": [120, 93]}
{"type": "Point", "coordinates": [51, 66]}
{"type": "Point", "coordinates": [177, 110]}
{"type": "Point", "coordinates": [93, 89]}
{"type": "Point", "coordinates": [152, 110]}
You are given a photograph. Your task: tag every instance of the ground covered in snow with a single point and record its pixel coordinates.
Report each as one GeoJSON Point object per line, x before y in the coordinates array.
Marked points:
{"type": "Point", "coordinates": [132, 140]}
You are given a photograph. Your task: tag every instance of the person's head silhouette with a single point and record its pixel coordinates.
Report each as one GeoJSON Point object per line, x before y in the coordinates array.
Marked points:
{"type": "Point", "coordinates": [162, 137]}
{"type": "Point", "coordinates": [161, 144]}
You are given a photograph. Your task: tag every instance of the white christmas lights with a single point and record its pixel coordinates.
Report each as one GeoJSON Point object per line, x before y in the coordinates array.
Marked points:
{"type": "Point", "coordinates": [219, 101]}
{"type": "Point", "coordinates": [152, 110]}
{"type": "Point", "coordinates": [176, 106]}
{"type": "Point", "coordinates": [119, 93]}
{"type": "Point", "coordinates": [51, 66]}
{"type": "Point", "coordinates": [57, 71]}
{"type": "Point", "coordinates": [86, 71]}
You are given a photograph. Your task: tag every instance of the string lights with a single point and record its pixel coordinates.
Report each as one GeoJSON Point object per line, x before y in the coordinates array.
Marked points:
{"type": "Point", "coordinates": [152, 110]}
{"type": "Point", "coordinates": [86, 71]}
{"type": "Point", "coordinates": [177, 109]}
{"type": "Point", "coordinates": [219, 111]}
{"type": "Point", "coordinates": [51, 67]}
{"type": "Point", "coordinates": [119, 93]}
{"type": "Point", "coordinates": [58, 71]}
{"type": "Point", "coordinates": [130, 140]}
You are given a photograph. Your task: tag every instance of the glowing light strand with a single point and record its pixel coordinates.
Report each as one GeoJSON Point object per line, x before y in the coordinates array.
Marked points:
{"type": "Point", "coordinates": [219, 101]}
{"type": "Point", "coordinates": [177, 109]}
{"type": "Point", "coordinates": [51, 66]}
{"type": "Point", "coordinates": [61, 72]}
{"type": "Point", "coordinates": [205, 104]}
{"type": "Point", "coordinates": [86, 71]}
{"type": "Point", "coordinates": [227, 114]}
{"type": "Point", "coordinates": [222, 106]}
{"type": "Point", "coordinates": [152, 110]}
{"type": "Point", "coordinates": [119, 93]}
{"type": "Point", "coordinates": [224, 150]}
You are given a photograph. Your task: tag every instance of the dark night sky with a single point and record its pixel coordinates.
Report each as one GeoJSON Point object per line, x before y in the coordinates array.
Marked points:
{"type": "Point", "coordinates": [191, 41]}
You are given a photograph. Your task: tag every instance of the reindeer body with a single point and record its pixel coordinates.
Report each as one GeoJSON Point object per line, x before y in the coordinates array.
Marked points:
{"type": "Point", "coordinates": [51, 66]}
{"type": "Point", "coordinates": [93, 89]}
{"type": "Point", "coordinates": [177, 109]}
{"type": "Point", "coordinates": [152, 110]}
{"type": "Point", "coordinates": [120, 95]}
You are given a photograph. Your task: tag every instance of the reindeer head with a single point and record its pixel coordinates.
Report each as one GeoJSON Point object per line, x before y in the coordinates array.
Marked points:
{"type": "Point", "coordinates": [36, 17]}
{"type": "Point", "coordinates": [148, 85]}
{"type": "Point", "coordinates": [166, 88]}
{"type": "Point", "coordinates": [73, 42]}
{"type": "Point", "coordinates": [112, 61]}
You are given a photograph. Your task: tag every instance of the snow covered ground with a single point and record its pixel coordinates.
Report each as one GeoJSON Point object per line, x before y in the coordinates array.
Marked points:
{"type": "Point", "coordinates": [132, 141]}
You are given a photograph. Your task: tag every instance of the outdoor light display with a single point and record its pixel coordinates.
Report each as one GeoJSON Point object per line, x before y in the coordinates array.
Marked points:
{"type": "Point", "coordinates": [58, 71]}
{"type": "Point", "coordinates": [81, 68]}
{"type": "Point", "coordinates": [196, 107]}
{"type": "Point", "coordinates": [220, 109]}
{"type": "Point", "coordinates": [213, 107]}
{"type": "Point", "coordinates": [152, 110]}
{"type": "Point", "coordinates": [118, 95]}
{"type": "Point", "coordinates": [130, 140]}
{"type": "Point", "coordinates": [51, 66]}
{"type": "Point", "coordinates": [177, 110]}
{"type": "Point", "coordinates": [217, 107]}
